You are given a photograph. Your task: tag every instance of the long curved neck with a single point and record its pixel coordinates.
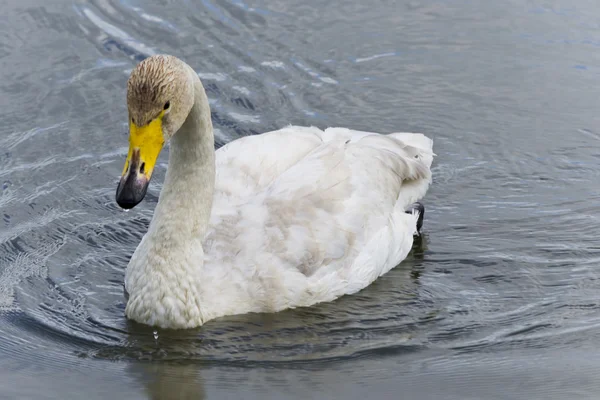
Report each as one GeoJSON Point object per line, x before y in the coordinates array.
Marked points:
{"type": "Point", "coordinates": [163, 275]}
{"type": "Point", "coordinates": [185, 201]}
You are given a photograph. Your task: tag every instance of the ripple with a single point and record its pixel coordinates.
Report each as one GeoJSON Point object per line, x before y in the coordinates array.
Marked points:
{"type": "Point", "coordinates": [501, 288]}
{"type": "Point", "coordinates": [87, 318]}
{"type": "Point", "coordinates": [117, 36]}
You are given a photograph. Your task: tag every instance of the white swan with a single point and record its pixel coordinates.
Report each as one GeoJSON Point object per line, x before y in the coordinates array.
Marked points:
{"type": "Point", "coordinates": [285, 219]}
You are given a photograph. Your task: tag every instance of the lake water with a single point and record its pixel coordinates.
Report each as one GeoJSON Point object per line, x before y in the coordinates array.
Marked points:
{"type": "Point", "coordinates": [500, 298]}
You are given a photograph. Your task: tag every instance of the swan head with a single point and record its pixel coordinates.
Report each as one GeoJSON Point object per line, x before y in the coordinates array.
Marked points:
{"type": "Point", "coordinates": [160, 95]}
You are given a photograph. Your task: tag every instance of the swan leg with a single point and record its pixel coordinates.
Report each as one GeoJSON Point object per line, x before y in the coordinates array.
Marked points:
{"type": "Point", "coordinates": [420, 208]}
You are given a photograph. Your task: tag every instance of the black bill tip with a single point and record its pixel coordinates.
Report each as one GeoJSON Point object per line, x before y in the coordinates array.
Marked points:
{"type": "Point", "coordinates": [131, 190]}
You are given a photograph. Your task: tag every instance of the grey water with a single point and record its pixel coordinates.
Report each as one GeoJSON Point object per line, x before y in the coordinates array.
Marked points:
{"type": "Point", "coordinates": [500, 297]}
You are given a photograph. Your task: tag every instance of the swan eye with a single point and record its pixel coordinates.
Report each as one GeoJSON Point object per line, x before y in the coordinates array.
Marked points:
{"type": "Point", "coordinates": [167, 105]}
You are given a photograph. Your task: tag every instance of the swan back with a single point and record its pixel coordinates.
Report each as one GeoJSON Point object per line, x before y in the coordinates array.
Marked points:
{"type": "Point", "coordinates": [302, 215]}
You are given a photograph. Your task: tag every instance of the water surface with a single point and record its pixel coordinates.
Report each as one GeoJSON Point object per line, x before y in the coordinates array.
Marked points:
{"type": "Point", "coordinates": [499, 298]}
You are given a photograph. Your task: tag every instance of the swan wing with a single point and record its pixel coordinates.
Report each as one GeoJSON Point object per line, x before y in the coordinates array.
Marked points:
{"type": "Point", "coordinates": [310, 215]}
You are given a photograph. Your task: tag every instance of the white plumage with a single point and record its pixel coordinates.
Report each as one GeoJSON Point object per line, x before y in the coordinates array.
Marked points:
{"type": "Point", "coordinates": [299, 216]}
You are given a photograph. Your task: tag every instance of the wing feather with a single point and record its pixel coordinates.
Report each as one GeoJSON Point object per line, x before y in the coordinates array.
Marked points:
{"type": "Point", "coordinates": [322, 208]}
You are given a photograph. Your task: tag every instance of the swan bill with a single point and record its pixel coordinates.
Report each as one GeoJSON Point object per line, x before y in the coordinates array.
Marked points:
{"type": "Point", "coordinates": [133, 184]}
{"type": "Point", "coordinates": [145, 144]}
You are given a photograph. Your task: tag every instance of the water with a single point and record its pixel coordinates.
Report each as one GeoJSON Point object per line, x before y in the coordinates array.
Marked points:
{"type": "Point", "coordinates": [498, 300]}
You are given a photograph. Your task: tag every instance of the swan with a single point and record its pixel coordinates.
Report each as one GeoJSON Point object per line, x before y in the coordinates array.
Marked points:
{"type": "Point", "coordinates": [284, 219]}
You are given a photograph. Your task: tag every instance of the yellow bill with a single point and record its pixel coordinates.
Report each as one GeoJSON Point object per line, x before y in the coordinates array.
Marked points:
{"type": "Point", "coordinates": [145, 144]}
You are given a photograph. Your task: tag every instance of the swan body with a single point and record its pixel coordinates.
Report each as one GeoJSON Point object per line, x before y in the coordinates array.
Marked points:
{"type": "Point", "coordinates": [284, 219]}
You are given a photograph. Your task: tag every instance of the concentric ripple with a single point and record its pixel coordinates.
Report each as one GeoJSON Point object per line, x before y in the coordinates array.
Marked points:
{"type": "Point", "coordinates": [499, 296]}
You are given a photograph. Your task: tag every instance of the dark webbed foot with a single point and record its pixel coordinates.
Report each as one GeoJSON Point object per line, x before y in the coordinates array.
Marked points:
{"type": "Point", "coordinates": [417, 207]}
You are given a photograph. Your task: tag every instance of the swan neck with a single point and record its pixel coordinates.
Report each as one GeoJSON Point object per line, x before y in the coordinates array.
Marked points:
{"type": "Point", "coordinates": [185, 201]}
